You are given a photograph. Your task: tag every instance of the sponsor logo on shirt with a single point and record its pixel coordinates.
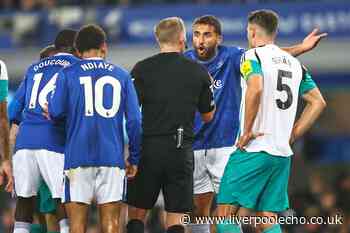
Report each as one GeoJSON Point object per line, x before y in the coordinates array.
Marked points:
{"type": "Point", "coordinates": [246, 68]}
{"type": "Point", "coordinates": [218, 84]}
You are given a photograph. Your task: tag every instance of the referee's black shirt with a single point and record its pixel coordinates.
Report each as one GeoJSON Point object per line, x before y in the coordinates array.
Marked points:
{"type": "Point", "coordinates": [170, 89]}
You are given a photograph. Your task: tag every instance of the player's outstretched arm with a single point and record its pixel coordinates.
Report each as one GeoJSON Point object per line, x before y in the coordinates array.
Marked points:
{"type": "Point", "coordinates": [309, 43]}
{"type": "Point", "coordinates": [314, 107]}
{"type": "Point", "coordinates": [6, 168]}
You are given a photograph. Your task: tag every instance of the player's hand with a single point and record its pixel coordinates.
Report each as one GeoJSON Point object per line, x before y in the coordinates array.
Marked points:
{"type": "Point", "coordinates": [6, 174]}
{"type": "Point", "coordinates": [246, 138]}
{"type": "Point", "coordinates": [46, 111]}
{"type": "Point", "coordinates": [311, 40]}
{"type": "Point", "coordinates": [292, 139]}
{"type": "Point", "coordinates": [131, 170]}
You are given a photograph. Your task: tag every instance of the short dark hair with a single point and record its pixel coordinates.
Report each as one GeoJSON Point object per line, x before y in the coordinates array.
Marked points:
{"type": "Point", "coordinates": [48, 51]}
{"type": "Point", "coordinates": [65, 40]}
{"type": "Point", "coordinates": [90, 36]}
{"type": "Point", "coordinates": [267, 19]}
{"type": "Point", "coordinates": [209, 20]}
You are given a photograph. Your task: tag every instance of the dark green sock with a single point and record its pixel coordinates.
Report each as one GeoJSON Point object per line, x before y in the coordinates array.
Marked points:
{"type": "Point", "coordinates": [37, 228]}
{"type": "Point", "coordinates": [53, 232]}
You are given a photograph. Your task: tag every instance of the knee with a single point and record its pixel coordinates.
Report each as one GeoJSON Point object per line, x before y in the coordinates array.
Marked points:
{"type": "Point", "coordinates": [51, 223]}
{"type": "Point", "coordinates": [76, 228]}
{"type": "Point", "coordinates": [60, 210]}
{"type": "Point", "coordinates": [227, 210]}
{"type": "Point", "coordinates": [136, 213]}
{"type": "Point", "coordinates": [77, 224]}
{"type": "Point", "coordinates": [203, 204]}
{"type": "Point", "coordinates": [201, 209]}
{"type": "Point", "coordinates": [110, 225]}
{"type": "Point", "coordinates": [222, 211]}
{"type": "Point", "coordinates": [269, 217]}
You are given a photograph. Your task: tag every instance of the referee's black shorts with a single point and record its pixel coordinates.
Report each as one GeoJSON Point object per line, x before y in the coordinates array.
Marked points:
{"type": "Point", "coordinates": [163, 167]}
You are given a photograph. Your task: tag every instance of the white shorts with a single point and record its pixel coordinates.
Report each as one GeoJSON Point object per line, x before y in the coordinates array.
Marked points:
{"type": "Point", "coordinates": [85, 184]}
{"type": "Point", "coordinates": [209, 166]}
{"type": "Point", "coordinates": [31, 166]}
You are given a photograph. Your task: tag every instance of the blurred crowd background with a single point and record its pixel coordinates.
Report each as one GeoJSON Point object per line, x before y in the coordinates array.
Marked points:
{"type": "Point", "coordinates": [320, 178]}
{"type": "Point", "coordinates": [28, 5]}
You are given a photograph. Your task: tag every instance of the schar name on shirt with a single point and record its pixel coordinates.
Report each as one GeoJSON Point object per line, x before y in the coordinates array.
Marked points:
{"type": "Point", "coordinates": [51, 62]}
{"type": "Point", "coordinates": [97, 65]}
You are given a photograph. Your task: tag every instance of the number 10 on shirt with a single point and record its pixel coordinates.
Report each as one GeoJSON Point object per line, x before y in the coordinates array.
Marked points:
{"type": "Point", "coordinates": [97, 100]}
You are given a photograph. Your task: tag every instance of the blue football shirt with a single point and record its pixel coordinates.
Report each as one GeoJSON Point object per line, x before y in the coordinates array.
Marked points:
{"type": "Point", "coordinates": [26, 109]}
{"type": "Point", "coordinates": [225, 70]}
{"type": "Point", "coordinates": [94, 96]}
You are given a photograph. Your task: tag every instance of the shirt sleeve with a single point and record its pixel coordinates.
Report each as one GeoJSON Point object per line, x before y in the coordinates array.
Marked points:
{"type": "Point", "coordinates": [206, 99]}
{"type": "Point", "coordinates": [238, 57]}
{"type": "Point", "coordinates": [307, 83]}
{"type": "Point", "coordinates": [250, 64]}
{"type": "Point", "coordinates": [3, 82]}
{"type": "Point", "coordinates": [59, 97]}
{"type": "Point", "coordinates": [17, 104]}
{"type": "Point", "coordinates": [133, 122]}
{"type": "Point", "coordinates": [139, 83]}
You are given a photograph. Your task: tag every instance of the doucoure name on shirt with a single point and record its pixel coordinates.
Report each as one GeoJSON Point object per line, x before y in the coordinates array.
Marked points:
{"type": "Point", "coordinates": [97, 65]}
{"type": "Point", "coordinates": [51, 62]}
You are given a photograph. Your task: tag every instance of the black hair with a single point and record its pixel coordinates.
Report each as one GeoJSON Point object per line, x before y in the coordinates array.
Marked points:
{"type": "Point", "coordinates": [267, 19]}
{"type": "Point", "coordinates": [65, 40]}
{"type": "Point", "coordinates": [89, 37]}
{"type": "Point", "coordinates": [209, 20]}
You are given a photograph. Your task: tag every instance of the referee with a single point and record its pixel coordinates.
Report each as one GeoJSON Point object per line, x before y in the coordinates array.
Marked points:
{"type": "Point", "coordinates": [170, 88]}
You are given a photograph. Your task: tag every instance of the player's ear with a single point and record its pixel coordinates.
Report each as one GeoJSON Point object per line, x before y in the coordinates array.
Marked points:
{"type": "Point", "coordinates": [274, 35]}
{"type": "Point", "coordinates": [182, 42]}
{"type": "Point", "coordinates": [77, 53]}
{"type": "Point", "coordinates": [254, 32]}
{"type": "Point", "coordinates": [104, 49]}
{"type": "Point", "coordinates": [220, 39]}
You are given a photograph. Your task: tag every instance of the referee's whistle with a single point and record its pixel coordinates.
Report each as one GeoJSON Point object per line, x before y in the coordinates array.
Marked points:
{"type": "Point", "coordinates": [180, 137]}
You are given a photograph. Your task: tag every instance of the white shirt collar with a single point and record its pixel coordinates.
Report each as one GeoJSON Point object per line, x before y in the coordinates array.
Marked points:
{"type": "Point", "coordinates": [93, 58]}
{"type": "Point", "coordinates": [63, 54]}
